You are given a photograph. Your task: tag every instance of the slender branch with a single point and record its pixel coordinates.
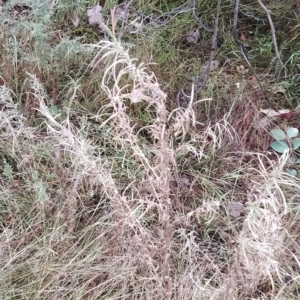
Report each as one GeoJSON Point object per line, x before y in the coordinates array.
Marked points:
{"type": "Point", "coordinates": [267, 11]}
{"type": "Point", "coordinates": [249, 15]}
{"type": "Point", "coordinates": [198, 19]}
{"type": "Point", "coordinates": [244, 51]}
{"type": "Point", "coordinates": [165, 18]}
{"type": "Point", "coordinates": [204, 76]}
{"type": "Point", "coordinates": [201, 81]}
{"type": "Point", "coordinates": [235, 21]}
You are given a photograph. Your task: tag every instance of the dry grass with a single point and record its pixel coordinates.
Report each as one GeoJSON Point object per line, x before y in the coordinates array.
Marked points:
{"type": "Point", "coordinates": [110, 193]}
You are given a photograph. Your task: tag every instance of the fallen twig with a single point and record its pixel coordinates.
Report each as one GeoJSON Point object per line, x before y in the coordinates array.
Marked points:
{"type": "Point", "coordinates": [272, 30]}
{"type": "Point", "coordinates": [205, 74]}
{"type": "Point", "coordinates": [244, 51]}
{"type": "Point", "coordinates": [249, 15]}
{"type": "Point", "coordinates": [200, 83]}
{"type": "Point", "coordinates": [198, 19]}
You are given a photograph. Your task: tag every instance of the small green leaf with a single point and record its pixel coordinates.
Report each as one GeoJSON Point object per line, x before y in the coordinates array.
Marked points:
{"type": "Point", "coordinates": [296, 143]}
{"type": "Point", "coordinates": [278, 134]}
{"type": "Point", "coordinates": [293, 172]}
{"type": "Point", "coordinates": [279, 146]}
{"type": "Point", "coordinates": [292, 132]}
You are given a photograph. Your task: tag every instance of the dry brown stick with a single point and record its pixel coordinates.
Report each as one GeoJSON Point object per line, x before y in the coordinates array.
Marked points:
{"type": "Point", "coordinates": [244, 51]}
{"type": "Point", "coordinates": [267, 11]}
{"type": "Point", "coordinates": [198, 19]}
{"type": "Point", "coordinates": [201, 81]}
{"type": "Point", "coordinates": [205, 74]}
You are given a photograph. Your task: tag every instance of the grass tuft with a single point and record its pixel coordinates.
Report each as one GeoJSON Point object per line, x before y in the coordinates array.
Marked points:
{"type": "Point", "coordinates": [110, 189]}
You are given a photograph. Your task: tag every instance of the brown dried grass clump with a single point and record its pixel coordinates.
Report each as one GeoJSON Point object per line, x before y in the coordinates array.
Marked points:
{"type": "Point", "coordinates": [134, 201]}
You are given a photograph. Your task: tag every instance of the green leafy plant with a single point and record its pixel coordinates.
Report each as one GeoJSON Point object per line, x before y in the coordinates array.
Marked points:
{"type": "Point", "coordinates": [286, 140]}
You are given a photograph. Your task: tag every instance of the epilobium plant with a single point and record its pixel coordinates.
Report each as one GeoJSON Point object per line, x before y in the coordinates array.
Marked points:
{"type": "Point", "coordinates": [285, 141]}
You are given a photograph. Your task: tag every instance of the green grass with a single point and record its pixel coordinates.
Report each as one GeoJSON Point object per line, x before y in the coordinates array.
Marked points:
{"type": "Point", "coordinates": [109, 190]}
